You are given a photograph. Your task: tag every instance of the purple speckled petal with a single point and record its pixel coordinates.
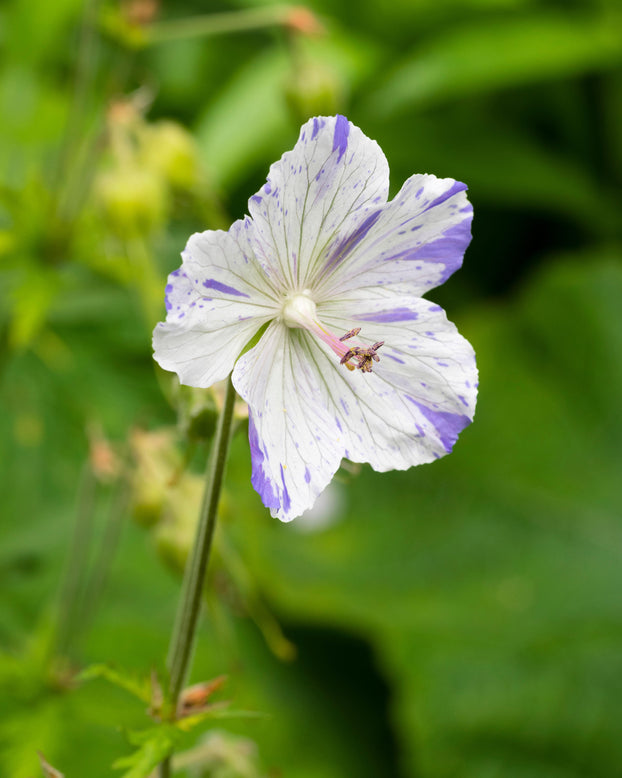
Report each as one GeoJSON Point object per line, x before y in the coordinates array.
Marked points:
{"type": "Point", "coordinates": [216, 301]}
{"type": "Point", "coordinates": [387, 314]}
{"type": "Point", "coordinates": [308, 411]}
{"type": "Point", "coordinates": [447, 426]}
{"type": "Point", "coordinates": [424, 362]}
{"type": "Point", "coordinates": [218, 286]}
{"type": "Point", "coordinates": [340, 136]}
{"type": "Point", "coordinates": [417, 240]}
{"type": "Point", "coordinates": [260, 479]}
{"type": "Point", "coordinates": [291, 433]}
{"type": "Point", "coordinates": [333, 171]}
{"type": "Point", "coordinates": [322, 224]}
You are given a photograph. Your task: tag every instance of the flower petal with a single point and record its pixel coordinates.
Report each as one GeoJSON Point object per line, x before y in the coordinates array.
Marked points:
{"type": "Point", "coordinates": [418, 240]}
{"type": "Point", "coordinates": [308, 411]}
{"type": "Point", "coordinates": [425, 381]}
{"type": "Point", "coordinates": [333, 171]}
{"type": "Point", "coordinates": [216, 301]}
{"type": "Point", "coordinates": [291, 432]}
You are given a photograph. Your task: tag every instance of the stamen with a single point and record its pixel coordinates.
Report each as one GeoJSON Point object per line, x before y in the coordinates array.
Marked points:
{"type": "Point", "coordinates": [300, 310]}
{"type": "Point", "coordinates": [363, 356]}
{"type": "Point", "coordinates": [350, 334]}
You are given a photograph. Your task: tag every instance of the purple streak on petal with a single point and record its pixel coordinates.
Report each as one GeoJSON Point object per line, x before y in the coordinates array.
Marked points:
{"type": "Point", "coordinates": [395, 314]}
{"type": "Point", "coordinates": [318, 123]}
{"type": "Point", "coordinates": [213, 284]}
{"type": "Point", "coordinates": [167, 290]}
{"type": "Point", "coordinates": [256, 199]}
{"type": "Point", "coordinates": [345, 246]}
{"type": "Point", "coordinates": [267, 188]}
{"type": "Point", "coordinates": [447, 250]}
{"type": "Point", "coordinates": [456, 187]}
{"type": "Point", "coordinates": [286, 502]}
{"type": "Point", "coordinates": [338, 425]}
{"type": "Point", "coordinates": [261, 484]}
{"type": "Point", "coordinates": [307, 475]}
{"type": "Point", "coordinates": [394, 358]}
{"type": "Point", "coordinates": [448, 425]}
{"type": "Point", "coordinates": [340, 138]}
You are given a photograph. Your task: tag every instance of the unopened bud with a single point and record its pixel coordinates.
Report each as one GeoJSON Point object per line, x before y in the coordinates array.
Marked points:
{"type": "Point", "coordinates": [133, 200]}
{"type": "Point", "coordinates": [170, 149]}
{"type": "Point", "coordinates": [157, 462]}
{"type": "Point", "coordinates": [313, 90]}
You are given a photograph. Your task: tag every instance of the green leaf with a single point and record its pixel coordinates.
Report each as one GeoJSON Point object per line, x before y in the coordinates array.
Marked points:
{"type": "Point", "coordinates": [155, 744]}
{"type": "Point", "coordinates": [230, 141]}
{"type": "Point", "coordinates": [139, 687]}
{"type": "Point", "coordinates": [494, 55]}
{"type": "Point", "coordinates": [188, 723]}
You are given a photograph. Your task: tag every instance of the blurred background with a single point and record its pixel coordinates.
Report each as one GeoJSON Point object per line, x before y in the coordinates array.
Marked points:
{"type": "Point", "coordinates": [459, 619]}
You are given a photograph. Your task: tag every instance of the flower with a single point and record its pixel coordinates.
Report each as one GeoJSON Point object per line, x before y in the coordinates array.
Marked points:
{"type": "Point", "coordinates": [315, 303]}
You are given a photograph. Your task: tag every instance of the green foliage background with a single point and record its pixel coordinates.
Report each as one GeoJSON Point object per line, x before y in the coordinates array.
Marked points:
{"type": "Point", "coordinates": [460, 619]}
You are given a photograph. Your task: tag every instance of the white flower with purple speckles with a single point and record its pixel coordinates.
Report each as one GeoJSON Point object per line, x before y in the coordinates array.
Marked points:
{"type": "Point", "coordinates": [352, 361]}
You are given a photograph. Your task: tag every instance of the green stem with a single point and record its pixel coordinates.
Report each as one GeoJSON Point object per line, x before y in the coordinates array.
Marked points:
{"type": "Point", "coordinates": [182, 641]}
{"type": "Point", "coordinates": [218, 24]}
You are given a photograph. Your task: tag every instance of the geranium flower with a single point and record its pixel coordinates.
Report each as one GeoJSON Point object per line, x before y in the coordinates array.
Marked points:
{"type": "Point", "coordinates": [316, 304]}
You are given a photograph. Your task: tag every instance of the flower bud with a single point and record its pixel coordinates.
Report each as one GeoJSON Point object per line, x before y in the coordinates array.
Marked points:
{"type": "Point", "coordinates": [133, 200]}
{"type": "Point", "coordinates": [174, 535]}
{"type": "Point", "coordinates": [313, 90]}
{"type": "Point", "coordinates": [170, 149]}
{"type": "Point", "coordinates": [157, 461]}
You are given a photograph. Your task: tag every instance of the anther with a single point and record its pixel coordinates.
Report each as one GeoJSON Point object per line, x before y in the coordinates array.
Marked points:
{"type": "Point", "coordinates": [362, 356]}
{"type": "Point", "coordinates": [350, 334]}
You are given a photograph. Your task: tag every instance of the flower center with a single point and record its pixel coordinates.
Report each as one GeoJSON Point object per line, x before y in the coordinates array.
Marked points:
{"type": "Point", "coordinates": [300, 311]}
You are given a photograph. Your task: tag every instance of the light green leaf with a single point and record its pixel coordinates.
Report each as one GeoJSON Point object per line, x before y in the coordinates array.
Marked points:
{"type": "Point", "coordinates": [188, 723]}
{"type": "Point", "coordinates": [139, 687]}
{"type": "Point", "coordinates": [155, 745]}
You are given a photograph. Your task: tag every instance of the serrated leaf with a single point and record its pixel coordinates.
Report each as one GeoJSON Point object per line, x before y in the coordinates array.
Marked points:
{"type": "Point", "coordinates": [155, 745]}
{"type": "Point", "coordinates": [139, 687]}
